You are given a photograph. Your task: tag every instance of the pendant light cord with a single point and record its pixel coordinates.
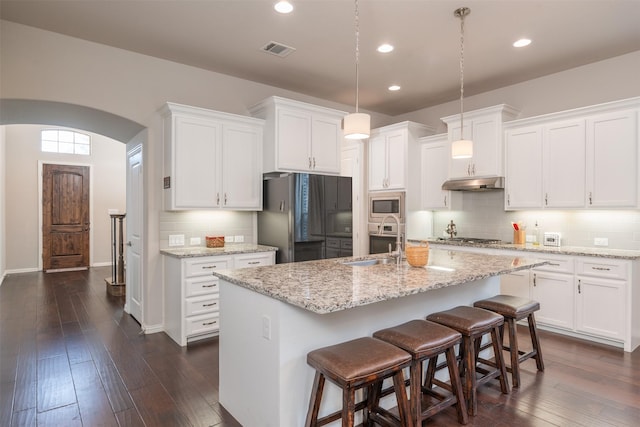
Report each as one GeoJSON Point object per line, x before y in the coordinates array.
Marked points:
{"type": "Point", "coordinates": [462, 14]}
{"type": "Point", "coordinates": [357, 25]}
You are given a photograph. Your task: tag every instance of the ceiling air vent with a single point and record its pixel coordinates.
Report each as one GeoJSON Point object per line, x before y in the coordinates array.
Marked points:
{"type": "Point", "coordinates": [277, 49]}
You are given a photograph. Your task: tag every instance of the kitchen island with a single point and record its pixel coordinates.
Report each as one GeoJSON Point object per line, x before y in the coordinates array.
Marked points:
{"type": "Point", "coordinates": [271, 317]}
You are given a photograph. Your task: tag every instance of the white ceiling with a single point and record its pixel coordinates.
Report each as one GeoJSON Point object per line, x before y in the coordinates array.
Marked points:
{"type": "Point", "coordinates": [226, 36]}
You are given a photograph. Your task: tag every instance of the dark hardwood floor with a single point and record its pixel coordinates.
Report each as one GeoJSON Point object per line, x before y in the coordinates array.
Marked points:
{"type": "Point", "coordinates": [70, 356]}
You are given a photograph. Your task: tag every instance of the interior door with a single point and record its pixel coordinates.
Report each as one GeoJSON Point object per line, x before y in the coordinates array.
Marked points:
{"type": "Point", "coordinates": [65, 217]}
{"type": "Point", "coordinates": [134, 233]}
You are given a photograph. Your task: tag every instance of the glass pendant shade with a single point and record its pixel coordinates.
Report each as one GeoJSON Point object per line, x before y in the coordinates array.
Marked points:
{"type": "Point", "coordinates": [357, 126]}
{"type": "Point", "coordinates": [462, 149]}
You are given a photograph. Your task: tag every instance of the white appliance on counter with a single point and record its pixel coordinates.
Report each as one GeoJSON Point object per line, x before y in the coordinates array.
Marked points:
{"type": "Point", "coordinates": [551, 239]}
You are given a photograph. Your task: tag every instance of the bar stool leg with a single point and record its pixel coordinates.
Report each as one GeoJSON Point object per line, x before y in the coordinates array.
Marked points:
{"type": "Point", "coordinates": [316, 397]}
{"type": "Point", "coordinates": [497, 349]}
{"type": "Point", "coordinates": [348, 407]}
{"type": "Point", "coordinates": [535, 342]}
{"type": "Point", "coordinates": [470, 382]}
{"type": "Point", "coordinates": [401, 396]}
{"type": "Point", "coordinates": [456, 385]}
{"type": "Point", "coordinates": [415, 392]}
{"type": "Point", "coordinates": [514, 350]}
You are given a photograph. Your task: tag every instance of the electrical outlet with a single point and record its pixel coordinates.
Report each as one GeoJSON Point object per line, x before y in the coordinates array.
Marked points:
{"type": "Point", "coordinates": [176, 240]}
{"type": "Point", "coordinates": [266, 328]}
{"type": "Point", "coordinates": [239, 239]}
{"type": "Point", "coordinates": [229, 239]}
{"type": "Point", "coordinates": [195, 241]}
{"type": "Point", "coordinates": [601, 241]}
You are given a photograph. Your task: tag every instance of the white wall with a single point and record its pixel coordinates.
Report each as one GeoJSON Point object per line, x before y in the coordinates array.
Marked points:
{"type": "Point", "coordinates": [3, 238]}
{"type": "Point", "coordinates": [108, 187]}
{"type": "Point", "coordinates": [604, 81]}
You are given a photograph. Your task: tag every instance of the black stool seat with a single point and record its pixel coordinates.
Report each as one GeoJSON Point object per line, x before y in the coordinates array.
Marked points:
{"type": "Point", "coordinates": [426, 340]}
{"type": "Point", "coordinates": [473, 323]}
{"type": "Point", "coordinates": [363, 362]}
{"type": "Point", "coordinates": [514, 309]}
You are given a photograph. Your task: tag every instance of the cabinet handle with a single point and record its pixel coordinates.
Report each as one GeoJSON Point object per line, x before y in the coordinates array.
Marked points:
{"type": "Point", "coordinates": [546, 199]}
{"type": "Point", "coordinates": [601, 268]}
{"type": "Point", "coordinates": [579, 286]}
{"type": "Point", "coordinates": [218, 199]}
{"type": "Point", "coordinates": [534, 279]}
{"type": "Point", "coordinates": [208, 267]}
{"type": "Point", "coordinates": [225, 198]}
{"type": "Point", "coordinates": [590, 198]}
{"type": "Point", "coordinates": [281, 205]}
{"type": "Point", "coordinates": [469, 169]}
{"type": "Point", "coordinates": [209, 323]}
{"type": "Point", "coordinates": [554, 265]}
{"type": "Point", "coordinates": [445, 201]}
{"type": "Point", "coordinates": [209, 286]}
{"type": "Point", "coordinates": [209, 305]}
{"type": "Point", "coordinates": [314, 162]}
{"type": "Point", "coordinates": [309, 162]}
{"type": "Point", "coordinates": [508, 199]}
{"type": "Point", "coordinates": [473, 169]}
{"type": "Point", "coordinates": [253, 262]}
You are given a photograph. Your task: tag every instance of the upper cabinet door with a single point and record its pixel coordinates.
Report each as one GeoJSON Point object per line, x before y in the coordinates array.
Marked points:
{"type": "Point", "coordinates": [196, 152]}
{"type": "Point", "coordinates": [523, 187]}
{"type": "Point", "coordinates": [294, 137]}
{"type": "Point", "coordinates": [326, 136]}
{"type": "Point", "coordinates": [435, 170]}
{"type": "Point", "coordinates": [377, 162]}
{"type": "Point", "coordinates": [396, 160]}
{"type": "Point", "coordinates": [242, 167]}
{"type": "Point", "coordinates": [487, 139]}
{"type": "Point", "coordinates": [564, 165]}
{"type": "Point", "coordinates": [612, 159]}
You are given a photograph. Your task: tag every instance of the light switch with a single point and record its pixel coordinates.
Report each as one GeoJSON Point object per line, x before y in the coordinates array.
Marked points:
{"type": "Point", "coordinates": [239, 239]}
{"type": "Point", "coordinates": [176, 240]}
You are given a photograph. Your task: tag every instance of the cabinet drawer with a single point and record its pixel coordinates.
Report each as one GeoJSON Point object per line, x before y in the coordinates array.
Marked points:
{"type": "Point", "coordinates": [202, 324]}
{"type": "Point", "coordinates": [254, 260]}
{"type": "Point", "coordinates": [346, 244]}
{"type": "Point", "coordinates": [333, 243]}
{"type": "Point", "coordinates": [206, 265]}
{"type": "Point", "coordinates": [603, 267]}
{"type": "Point", "coordinates": [201, 286]}
{"type": "Point", "coordinates": [201, 305]}
{"type": "Point", "coordinates": [559, 265]}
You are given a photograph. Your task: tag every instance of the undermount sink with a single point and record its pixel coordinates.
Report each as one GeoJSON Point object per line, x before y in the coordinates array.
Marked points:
{"type": "Point", "coordinates": [370, 262]}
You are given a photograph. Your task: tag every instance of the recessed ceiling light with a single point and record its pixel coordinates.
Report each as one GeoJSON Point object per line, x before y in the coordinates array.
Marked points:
{"type": "Point", "coordinates": [283, 7]}
{"type": "Point", "coordinates": [393, 88]}
{"type": "Point", "coordinates": [522, 43]}
{"type": "Point", "coordinates": [385, 48]}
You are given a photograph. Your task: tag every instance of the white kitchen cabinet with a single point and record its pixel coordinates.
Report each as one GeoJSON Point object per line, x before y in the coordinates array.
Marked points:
{"type": "Point", "coordinates": [601, 296]}
{"type": "Point", "coordinates": [191, 303]}
{"type": "Point", "coordinates": [612, 159]}
{"type": "Point", "coordinates": [391, 151]}
{"type": "Point", "coordinates": [589, 158]}
{"type": "Point", "coordinates": [212, 159]}
{"type": "Point", "coordinates": [484, 128]}
{"type": "Point", "coordinates": [434, 156]}
{"type": "Point", "coordinates": [554, 292]}
{"type": "Point", "coordinates": [300, 137]}
{"type": "Point", "coordinates": [516, 284]}
{"type": "Point", "coordinates": [523, 169]}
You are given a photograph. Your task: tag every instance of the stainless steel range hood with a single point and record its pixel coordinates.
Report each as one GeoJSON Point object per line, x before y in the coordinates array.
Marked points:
{"type": "Point", "coordinates": [474, 184]}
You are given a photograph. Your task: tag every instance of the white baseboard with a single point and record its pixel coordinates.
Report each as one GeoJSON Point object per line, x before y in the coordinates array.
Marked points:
{"type": "Point", "coordinates": [153, 329]}
{"type": "Point", "coordinates": [21, 270]}
{"type": "Point", "coordinates": [102, 264]}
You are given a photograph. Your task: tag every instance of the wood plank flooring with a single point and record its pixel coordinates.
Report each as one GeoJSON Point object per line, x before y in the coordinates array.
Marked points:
{"type": "Point", "coordinates": [71, 356]}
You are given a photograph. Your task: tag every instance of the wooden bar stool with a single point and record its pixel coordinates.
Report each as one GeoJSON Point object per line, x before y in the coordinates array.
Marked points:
{"type": "Point", "coordinates": [473, 323]}
{"type": "Point", "coordinates": [351, 365]}
{"type": "Point", "coordinates": [515, 309]}
{"type": "Point", "coordinates": [425, 340]}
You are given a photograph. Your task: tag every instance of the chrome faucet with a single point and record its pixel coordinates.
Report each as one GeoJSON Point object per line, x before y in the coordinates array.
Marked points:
{"type": "Point", "coordinates": [451, 230]}
{"type": "Point", "coordinates": [398, 252]}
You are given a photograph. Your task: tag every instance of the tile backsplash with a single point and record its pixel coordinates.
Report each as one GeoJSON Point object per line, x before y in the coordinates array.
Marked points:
{"type": "Point", "coordinates": [482, 214]}
{"type": "Point", "coordinates": [207, 223]}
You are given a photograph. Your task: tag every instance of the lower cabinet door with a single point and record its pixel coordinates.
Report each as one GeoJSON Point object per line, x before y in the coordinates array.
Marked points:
{"type": "Point", "coordinates": [203, 324]}
{"type": "Point", "coordinates": [516, 284]}
{"type": "Point", "coordinates": [601, 307]}
{"type": "Point", "coordinates": [555, 293]}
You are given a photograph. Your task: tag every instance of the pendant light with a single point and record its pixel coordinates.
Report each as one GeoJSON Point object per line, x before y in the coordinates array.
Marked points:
{"type": "Point", "coordinates": [462, 148]}
{"type": "Point", "coordinates": [357, 125]}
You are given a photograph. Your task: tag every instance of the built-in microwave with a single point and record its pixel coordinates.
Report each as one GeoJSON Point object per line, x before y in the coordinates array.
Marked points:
{"type": "Point", "coordinates": [383, 204]}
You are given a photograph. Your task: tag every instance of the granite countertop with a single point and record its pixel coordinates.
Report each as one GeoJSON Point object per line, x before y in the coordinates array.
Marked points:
{"type": "Point", "coordinates": [327, 286]}
{"type": "Point", "coordinates": [541, 249]}
{"type": "Point", "coordinates": [227, 249]}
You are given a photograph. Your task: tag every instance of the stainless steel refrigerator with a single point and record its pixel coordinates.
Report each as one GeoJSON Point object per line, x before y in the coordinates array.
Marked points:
{"type": "Point", "coordinates": [300, 211]}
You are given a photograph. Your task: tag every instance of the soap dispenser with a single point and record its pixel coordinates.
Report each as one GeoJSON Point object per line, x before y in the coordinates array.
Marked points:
{"type": "Point", "coordinates": [536, 235]}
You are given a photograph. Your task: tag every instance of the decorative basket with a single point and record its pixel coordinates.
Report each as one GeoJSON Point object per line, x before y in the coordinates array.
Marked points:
{"type": "Point", "coordinates": [418, 256]}
{"type": "Point", "coordinates": [214, 241]}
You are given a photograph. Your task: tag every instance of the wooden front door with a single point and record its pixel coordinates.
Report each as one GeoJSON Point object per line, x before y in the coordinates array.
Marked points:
{"type": "Point", "coordinates": [65, 217]}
